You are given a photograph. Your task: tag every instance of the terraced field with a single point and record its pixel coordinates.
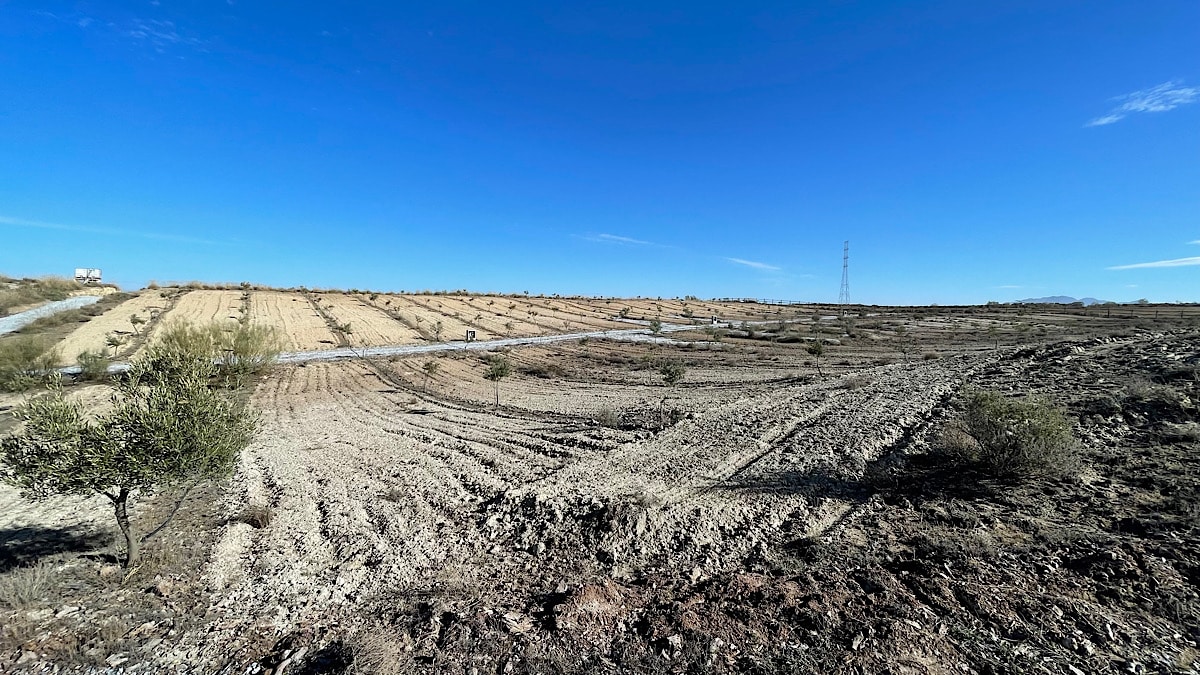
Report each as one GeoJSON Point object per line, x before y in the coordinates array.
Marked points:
{"type": "Point", "coordinates": [93, 334]}
{"type": "Point", "coordinates": [300, 325]}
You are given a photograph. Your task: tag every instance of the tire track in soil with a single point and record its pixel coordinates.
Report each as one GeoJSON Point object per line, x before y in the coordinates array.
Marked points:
{"type": "Point", "coordinates": [706, 493]}
{"type": "Point", "coordinates": [325, 467]}
{"type": "Point", "coordinates": [712, 489]}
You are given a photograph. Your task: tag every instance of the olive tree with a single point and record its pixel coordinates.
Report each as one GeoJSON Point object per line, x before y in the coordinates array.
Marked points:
{"type": "Point", "coordinates": [169, 426]}
{"type": "Point", "coordinates": [498, 369]}
{"type": "Point", "coordinates": [817, 349]}
{"type": "Point", "coordinates": [430, 367]}
{"type": "Point", "coordinates": [672, 372]}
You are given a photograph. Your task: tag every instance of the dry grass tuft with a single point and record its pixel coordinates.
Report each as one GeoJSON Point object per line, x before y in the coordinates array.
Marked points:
{"type": "Point", "coordinates": [26, 587]}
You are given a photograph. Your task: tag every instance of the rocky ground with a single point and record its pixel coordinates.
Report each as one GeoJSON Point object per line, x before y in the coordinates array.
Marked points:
{"type": "Point", "coordinates": [757, 517]}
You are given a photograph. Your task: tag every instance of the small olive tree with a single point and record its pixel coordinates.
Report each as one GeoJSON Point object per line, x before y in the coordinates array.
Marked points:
{"type": "Point", "coordinates": [817, 349]}
{"type": "Point", "coordinates": [498, 369]}
{"type": "Point", "coordinates": [430, 368]}
{"type": "Point", "coordinates": [672, 372]}
{"type": "Point", "coordinates": [170, 425]}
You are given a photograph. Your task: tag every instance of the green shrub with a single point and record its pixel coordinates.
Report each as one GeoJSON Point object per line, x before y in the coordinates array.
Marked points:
{"type": "Point", "coordinates": [93, 365]}
{"type": "Point", "coordinates": [239, 349]}
{"type": "Point", "coordinates": [1012, 438]}
{"type": "Point", "coordinates": [672, 372]}
{"type": "Point", "coordinates": [26, 362]}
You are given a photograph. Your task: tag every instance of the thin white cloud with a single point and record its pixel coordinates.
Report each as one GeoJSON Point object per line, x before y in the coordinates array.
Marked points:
{"type": "Point", "coordinates": [1010, 286]}
{"type": "Point", "coordinates": [1177, 262]}
{"type": "Point", "coordinates": [756, 265]}
{"type": "Point", "coordinates": [19, 222]}
{"type": "Point", "coordinates": [160, 34]}
{"type": "Point", "coordinates": [1197, 242]}
{"type": "Point", "coordinates": [1164, 97]}
{"type": "Point", "coordinates": [616, 239]}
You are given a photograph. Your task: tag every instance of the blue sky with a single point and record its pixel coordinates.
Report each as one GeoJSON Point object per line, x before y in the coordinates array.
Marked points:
{"type": "Point", "coordinates": [968, 151]}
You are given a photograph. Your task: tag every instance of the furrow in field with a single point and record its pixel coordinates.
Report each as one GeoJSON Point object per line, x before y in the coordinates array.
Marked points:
{"type": "Point", "coordinates": [92, 335]}
{"type": "Point", "coordinates": [369, 326]}
{"type": "Point", "coordinates": [358, 503]}
{"type": "Point", "coordinates": [490, 444]}
{"type": "Point", "coordinates": [300, 326]}
{"type": "Point", "coordinates": [203, 307]}
{"type": "Point", "coordinates": [489, 319]}
{"type": "Point", "coordinates": [732, 475]}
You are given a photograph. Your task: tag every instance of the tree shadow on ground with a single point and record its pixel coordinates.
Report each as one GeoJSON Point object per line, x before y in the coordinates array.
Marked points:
{"type": "Point", "coordinates": [23, 546]}
{"type": "Point", "coordinates": [917, 478]}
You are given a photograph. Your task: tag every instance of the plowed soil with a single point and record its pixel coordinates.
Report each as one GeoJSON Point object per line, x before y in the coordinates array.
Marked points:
{"type": "Point", "coordinates": [369, 326]}
{"type": "Point", "coordinates": [92, 335]}
{"type": "Point", "coordinates": [301, 327]}
{"type": "Point", "coordinates": [203, 307]}
{"type": "Point", "coordinates": [768, 513]}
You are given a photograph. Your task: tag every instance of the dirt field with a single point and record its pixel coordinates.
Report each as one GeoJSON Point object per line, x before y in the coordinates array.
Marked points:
{"type": "Point", "coordinates": [202, 307]}
{"type": "Point", "coordinates": [92, 335]}
{"type": "Point", "coordinates": [300, 325]}
{"type": "Point", "coordinates": [771, 512]}
{"type": "Point", "coordinates": [370, 326]}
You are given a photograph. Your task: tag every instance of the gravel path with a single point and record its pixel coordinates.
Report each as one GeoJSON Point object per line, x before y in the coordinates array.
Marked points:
{"type": "Point", "coordinates": [632, 335]}
{"type": "Point", "coordinates": [19, 320]}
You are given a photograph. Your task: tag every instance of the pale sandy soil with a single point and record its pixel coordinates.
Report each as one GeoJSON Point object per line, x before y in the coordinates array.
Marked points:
{"type": "Point", "coordinates": [204, 307]}
{"type": "Point", "coordinates": [566, 319]}
{"type": "Point", "coordinates": [428, 310]}
{"type": "Point", "coordinates": [369, 327]}
{"type": "Point", "coordinates": [339, 438]}
{"type": "Point", "coordinates": [301, 327]}
{"type": "Point", "coordinates": [489, 320]}
{"type": "Point", "coordinates": [91, 335]}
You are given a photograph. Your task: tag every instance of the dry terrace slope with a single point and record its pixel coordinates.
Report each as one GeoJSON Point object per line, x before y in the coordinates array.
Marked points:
{"type": "Point", "coordinates": [203, 307]}
{"type": "Point", "coordinates": [92, 335]}
{"type": "Point", "coordinates": [369, 326]}
{"type": "Point", "coordinates": [300, 326]}
{"type": "Point", "coordinates": [489, 316]}
{"type": "Point", "coordinates": [427, 311]}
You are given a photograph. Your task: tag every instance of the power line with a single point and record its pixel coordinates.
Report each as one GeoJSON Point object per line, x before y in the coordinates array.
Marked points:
{"type": "Point", "coordinates": [844, 294]}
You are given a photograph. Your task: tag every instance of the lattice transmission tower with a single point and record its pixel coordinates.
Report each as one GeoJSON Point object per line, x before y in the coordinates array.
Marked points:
{"type": "Point", "coordinates": [844, 294]}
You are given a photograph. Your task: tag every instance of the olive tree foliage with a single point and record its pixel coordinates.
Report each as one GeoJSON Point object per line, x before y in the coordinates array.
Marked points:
{"type": "Point", "coordinates": [817, 349]}
{"type": "Point", "coordinates": [499, 368]}
{"type": "Point", "coordinates": [169, 425]}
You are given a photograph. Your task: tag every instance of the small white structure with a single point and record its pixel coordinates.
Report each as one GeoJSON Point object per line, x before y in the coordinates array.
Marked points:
{"type": "Point", "coordinates": [87, 275]}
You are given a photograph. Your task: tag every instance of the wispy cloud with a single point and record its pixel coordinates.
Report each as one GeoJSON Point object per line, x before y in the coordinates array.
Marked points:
{"type": "Point", "coordinates": [617, 239]}
{"type": "Point", "coordinates": [20, 222]}
{"type": "Point", "coordinates": [1010, 286]}
{"type": "Point", "coordinates": [1164, 97]}
{"type": "Point", "coordinates": [1197, 242]}
{"type": "Point", "coordinates": [756, 265]}
{"type": "Point", "coordinates": [160, 33]}
{"type": "Point", "coordinates": [1177, 262]}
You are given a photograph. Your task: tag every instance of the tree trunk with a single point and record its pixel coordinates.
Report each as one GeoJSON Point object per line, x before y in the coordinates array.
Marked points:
{"type": "Point", "coordinates": [497, 393]}
{"type": "Point", "coordinates": [817, 360]}
{"type": "Point", "coordinates": [131, 542]}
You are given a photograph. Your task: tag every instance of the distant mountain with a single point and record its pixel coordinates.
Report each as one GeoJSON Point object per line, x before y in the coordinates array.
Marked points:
{"type": "Point", "coordinates": [1060, 300]}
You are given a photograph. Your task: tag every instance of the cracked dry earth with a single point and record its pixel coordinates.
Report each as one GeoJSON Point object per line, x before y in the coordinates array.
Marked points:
{"type": "Point", "coordinates": [378, 494]}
